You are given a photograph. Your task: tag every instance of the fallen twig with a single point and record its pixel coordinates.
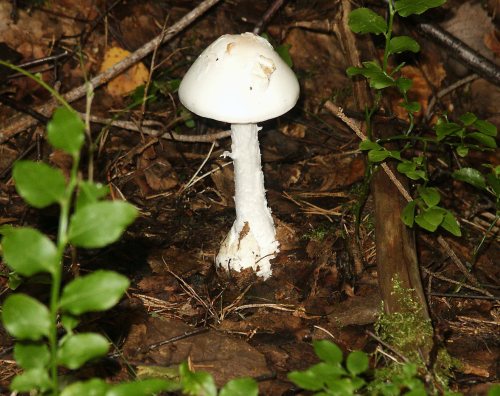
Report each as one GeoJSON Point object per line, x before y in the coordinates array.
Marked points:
{"type": "Point", "coordinates": [22, 122]}
{"type": "Point", "coordinates": [158, 133]}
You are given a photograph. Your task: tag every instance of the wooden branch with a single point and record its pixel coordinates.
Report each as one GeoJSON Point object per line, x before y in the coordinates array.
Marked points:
{"type": "Point", "coordinates": [21, 122]}
{"type": "Point", "coordinates": [131, 126]}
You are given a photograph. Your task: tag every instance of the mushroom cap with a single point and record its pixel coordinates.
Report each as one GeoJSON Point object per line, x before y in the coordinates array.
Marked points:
{"type": "Point", "coordinates": [239, 79]}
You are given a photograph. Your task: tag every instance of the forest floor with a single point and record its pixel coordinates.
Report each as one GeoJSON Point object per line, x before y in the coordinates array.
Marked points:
{"type": "Point", "coordinates": [313, 170]}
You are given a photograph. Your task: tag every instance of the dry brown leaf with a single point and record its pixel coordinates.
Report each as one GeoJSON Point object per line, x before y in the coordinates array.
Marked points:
{"type": "Point", "coordinates": [420, 92]}
{"type": "Point", "coordinates": [130, 79]}
{"type": "Point", "coordinates": [491, 41]}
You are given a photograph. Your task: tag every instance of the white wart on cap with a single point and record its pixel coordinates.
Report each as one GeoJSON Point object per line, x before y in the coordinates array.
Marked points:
{"type": "Point", "coordinates": [239, 79]}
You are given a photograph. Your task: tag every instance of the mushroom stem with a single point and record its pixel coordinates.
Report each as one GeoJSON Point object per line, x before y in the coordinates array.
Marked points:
{"type": "Point", "coordinates": [252, 239]}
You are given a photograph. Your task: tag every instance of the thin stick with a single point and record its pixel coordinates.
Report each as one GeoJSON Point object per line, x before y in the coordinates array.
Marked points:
{"type": "Point", "coordinates": [24, 121]}
{"type": "Point", "coordinates": [443, 278]}
{"type": "Point", "coordinates": [188, 184]}
{"type": "Point", "coordinates": [154, 132]}
{"type": "Point", "coordinates": [446, 91]}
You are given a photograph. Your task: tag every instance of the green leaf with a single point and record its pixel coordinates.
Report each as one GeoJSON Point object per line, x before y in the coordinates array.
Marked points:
{"type": "Point", "coordinates": [419, 174]}
{"type": "Point", "coordinates": [406, 166]}
{"type": "Point", "coordinates": [494, 183]}
{"type": "Point", "coordinates": [422, 222]}
{"type": "Point", "coordinates": [15, 281]}
{"type": "Point", "coordinates": [284, 52]}
{"type": "Point", "coordinates": [462, 151]}
{"type": "Point", "coordinates": [450, 224]}
{"type": "Point", "coordinates": [240, 387]}
{"type": "Point", "coordinates": [430, 196]}
{"type": "Point", "coordinates": [100, 224]}
{"type": "Point", "coordinates": [447, 129]}
{"type": "Point", "coordinates": [328, 351]}
{"type": "Point", "coordinates": [65, 131]}
{"type": "Point", "coordinates": [467, 119]}
{"type": "Point", "coordinates": [403, 43]}
{"type": "Point", "coordinates": [381, 81]}
{"type": "Point", "coordinates": [485, 127]}
{"type": "Point", "coordinates": [188, 120]}
{"type": "Point", "coordinates": [31, 354]}
{"type": "Point", "coordinates": [364, 21]}
{"type": "Point", "coordinates": [411, 107]}
{"type": "Point", "coordinates": [471, 176]}
{"type": "Point", "coordinates": [69, 322]}
{"type": "Point", "coordinates": [80, 348]}
{"type": "Point", "coordinates": [410, 369]}
{"type": "Point", "coordinates": [417, 392]}
{"type": "Point", "coordinates": [434, 215]}
{"type": "Point", "coordinates": [42, 255]}
{"type": "Point", "coordinates": [357, 362]}
{"type": "Point", "coordinates": [369, 145]}
{"type": "Point", "coordinates": [408, 215]}
{"type": "Point", "coordinates": [98, 291]}
{"type": "Point", "coordinates": [496, 170]}
{"type": "Point", "coordinates": [89, 193]}
{"type": "Point", "coordinates": [196, 383]}
{"type": "Point", "coordinates": [418, 160]}
{"type": "Point", "coordinates": [395, 154]}
{"type": "Point", "coordinates": [93, 387]}
{"type": "Point", "coordinates": [378, 78]}
{"type": "Point", "coordinates": [369, 69]}
{"type": "Point", "coordinates": [36, 378]}
{"type": "Point", "coordinates": [404, 84]}
{"type": "Point", "coordinates": [408, 7]}
{"type": "Point", "coordinates": [316, 376]}
{"type": "Point", "coordinates": [145, 388]}
{"type": "Point", "coordinates": [137, 95]}
{"type": "Point", "coordinates": [168, 87]}
{"type": "Point", "coordinates": [377, 156]}
{"type": "Point", "coordinates": [38, 184]}
{"type": "Point", "coordinates": [307, 380]}
{"type": "Point", "coordinates": [484, 139]}
{"type": "Point", "coordinates": [494, 391]}
{"type": "Point", "coordinates": [25, 318]}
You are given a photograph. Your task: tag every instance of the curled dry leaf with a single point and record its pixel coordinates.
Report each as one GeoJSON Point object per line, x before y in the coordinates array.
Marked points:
{"type": "Point", "coordinates": [129, 80]}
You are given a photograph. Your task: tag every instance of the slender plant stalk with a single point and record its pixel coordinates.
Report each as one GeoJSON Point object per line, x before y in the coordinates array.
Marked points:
{"type": "Point", "coordinates": [62, 241]}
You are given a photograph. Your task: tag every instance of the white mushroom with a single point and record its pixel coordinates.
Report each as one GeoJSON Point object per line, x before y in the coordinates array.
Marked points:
{"type": "Point", "coordinates": [240, 79]}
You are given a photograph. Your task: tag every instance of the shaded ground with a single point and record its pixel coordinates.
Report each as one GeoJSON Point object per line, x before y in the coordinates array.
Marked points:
{"type": "Point", "coordinates": [313, 173]}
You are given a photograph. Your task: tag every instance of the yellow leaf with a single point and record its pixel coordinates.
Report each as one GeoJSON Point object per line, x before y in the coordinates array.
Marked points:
{"type": "Point", "coordinates": [127, 81]}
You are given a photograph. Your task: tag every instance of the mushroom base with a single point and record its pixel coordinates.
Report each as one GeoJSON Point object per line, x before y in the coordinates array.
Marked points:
{"type": "Point", "coordinates": [252, 239]}
{"type": "Point", "coordinates": [241, 250]}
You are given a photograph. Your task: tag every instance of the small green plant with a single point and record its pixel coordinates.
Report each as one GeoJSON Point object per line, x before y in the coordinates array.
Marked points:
{"type": "Point", "coordinates": [330, 377]}
{"type": "Point", "coordinates": [320, 233]}
{"type": "Point", "coordinates": [491, 185]}
{"type": "Point", "coordinates": [335, 377]}
{"type": "Point", "coordinates": [88, 221]}
{"type": "Point", "coordinates": [409, 335]}
{"type": "Point", "coordinates": [470, 134]}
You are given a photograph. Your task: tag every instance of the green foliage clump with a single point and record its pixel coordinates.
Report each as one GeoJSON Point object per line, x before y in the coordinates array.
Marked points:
{"type": "Point", "coordinates": [336, 377]}
{"type": "Point", "coordinates": [405, 329]}
{"type": "Point", "coordinates": [470, 133]}
{"type": "Point", "coordinates": [85, 221]}
{"type": "Point", "coordinates": [320, 233]}
{"type": "Point", "coordinates": [408, 333]}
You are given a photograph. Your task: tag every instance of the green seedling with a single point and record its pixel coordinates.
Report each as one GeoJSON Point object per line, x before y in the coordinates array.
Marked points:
{"type": "Point", "coordinates": [470, 133]}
